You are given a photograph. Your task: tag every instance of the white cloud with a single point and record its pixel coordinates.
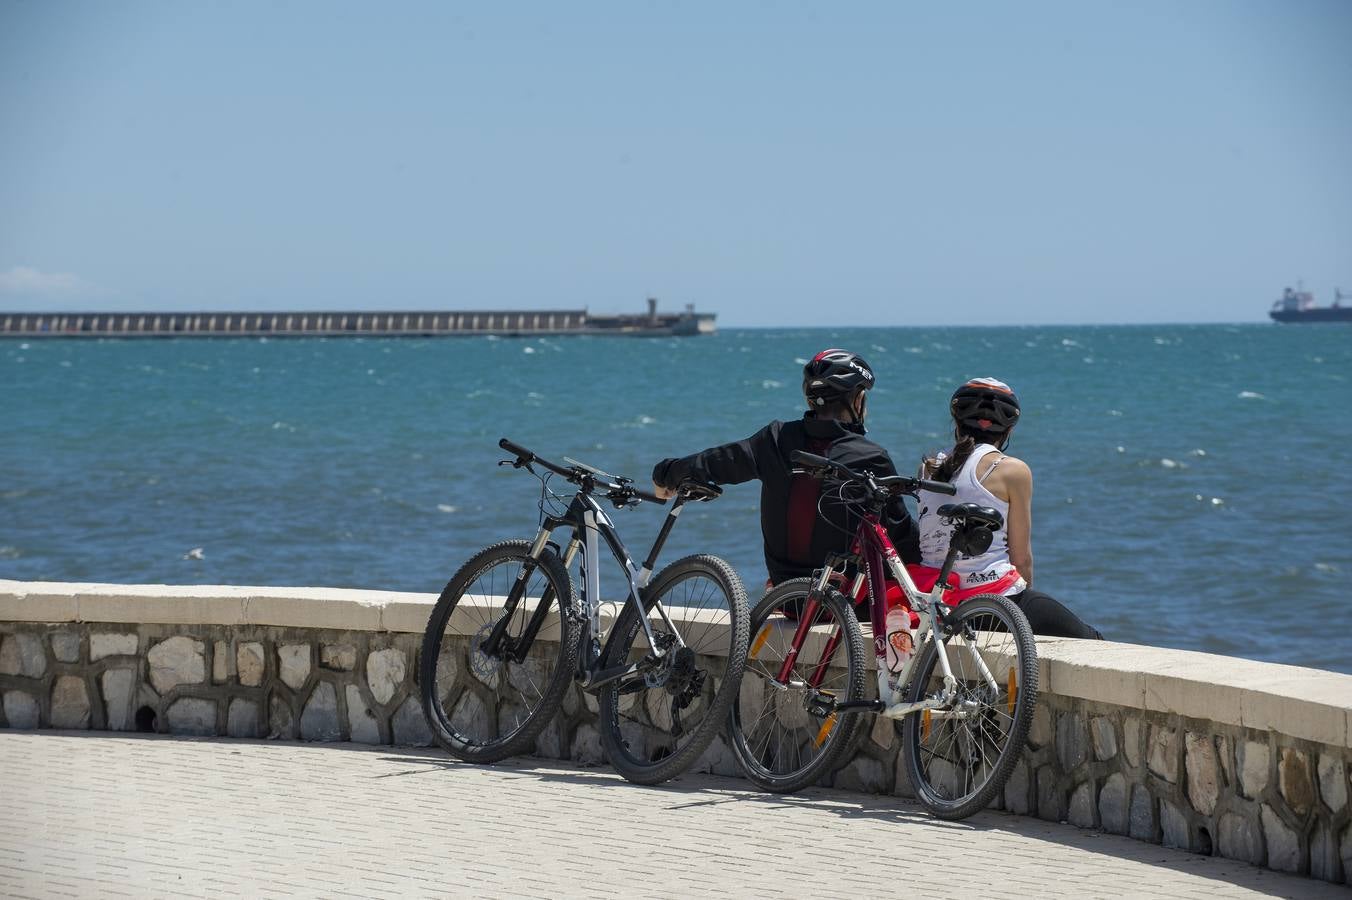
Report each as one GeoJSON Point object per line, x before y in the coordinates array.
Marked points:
{"type": "Point", "coordinates": [27, 281]}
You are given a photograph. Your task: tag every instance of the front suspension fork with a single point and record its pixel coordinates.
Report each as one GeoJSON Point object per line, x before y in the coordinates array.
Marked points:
{"type": "Point", "coordinates": [520, 646]}
{"type": "Point", "coordinates": [805, 618]}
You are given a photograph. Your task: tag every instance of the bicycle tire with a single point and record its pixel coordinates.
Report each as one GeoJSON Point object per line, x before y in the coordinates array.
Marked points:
{"type": "Point", "coordinates": [946, 758]}
{"type": "Point", "coordinates": [470, 699]}
{"type": "Point", "coordinates": [648, 736]}
{"type": "Point", "coordinates": [780, 745]}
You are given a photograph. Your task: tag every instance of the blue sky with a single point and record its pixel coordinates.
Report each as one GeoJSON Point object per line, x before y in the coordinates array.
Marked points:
{"type": "Point", "coordinates": [779, 163]}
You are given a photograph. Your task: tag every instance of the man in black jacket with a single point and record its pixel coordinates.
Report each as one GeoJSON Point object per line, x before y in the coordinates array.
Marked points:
{"type": "Point", "coordinates": [797, 536]}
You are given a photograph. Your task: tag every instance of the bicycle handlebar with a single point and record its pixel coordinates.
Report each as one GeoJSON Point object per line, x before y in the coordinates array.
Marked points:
{"type": "Point", "coordinates": [615, 491]}
{"type": "Point", "coordinates": [644, 495]}
{"type": "Point", "coordinates": [897, 484]}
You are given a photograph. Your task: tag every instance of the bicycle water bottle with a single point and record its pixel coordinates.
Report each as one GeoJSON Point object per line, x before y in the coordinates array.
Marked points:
{"type": "Point", "coordinates": [900, 640]}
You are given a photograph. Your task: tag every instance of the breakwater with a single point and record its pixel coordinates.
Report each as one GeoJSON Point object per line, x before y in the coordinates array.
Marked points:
{"type": "Point", "coordinates": [1221, 756]}
{"type": "Point", "coordinates": [354, 324]}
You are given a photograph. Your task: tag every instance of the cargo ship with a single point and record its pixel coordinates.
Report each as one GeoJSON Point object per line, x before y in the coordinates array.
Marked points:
{"type": "Point", "coordinates": [413, 323]}
{"type": "Point", "coordinates": [1299, 306]}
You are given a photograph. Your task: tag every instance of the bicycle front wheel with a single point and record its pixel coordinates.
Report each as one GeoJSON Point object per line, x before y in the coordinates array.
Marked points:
{"type": "Point", "coordinates": [959, 755]}
{"type": "Point", "coordinates": [655, 724]}
{"type": "Point", "coordinates": [781, 729]}
{"type": "Point", "coordinates": [485, 703]}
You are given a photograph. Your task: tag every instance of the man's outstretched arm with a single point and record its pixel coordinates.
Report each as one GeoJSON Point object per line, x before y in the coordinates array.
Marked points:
{"type": "Point", "coordinates": [727, 464]}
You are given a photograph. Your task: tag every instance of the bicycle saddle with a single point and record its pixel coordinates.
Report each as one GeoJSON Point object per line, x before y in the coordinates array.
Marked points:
{"type": "Point", "coordinates": [695, 489]}
{"type": "Point", "coordinates": [972, 513]}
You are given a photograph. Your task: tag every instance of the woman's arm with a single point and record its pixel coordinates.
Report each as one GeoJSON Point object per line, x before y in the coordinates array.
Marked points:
{"type": "Point", "coordinates": [1017, 480]}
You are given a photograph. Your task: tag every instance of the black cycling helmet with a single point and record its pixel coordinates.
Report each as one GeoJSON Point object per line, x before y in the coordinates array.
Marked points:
{"type": "Point", "coordinates": [985, 405]}
{"type": "Point", "coordinates": [835, 375]}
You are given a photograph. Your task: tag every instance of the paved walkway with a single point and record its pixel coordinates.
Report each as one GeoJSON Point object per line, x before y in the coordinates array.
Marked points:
{"type": "Point", "coordinates": [88, 814]}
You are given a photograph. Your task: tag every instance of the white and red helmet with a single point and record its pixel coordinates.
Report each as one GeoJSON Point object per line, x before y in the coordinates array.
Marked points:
{"type": "Point", "coordinates": [986, 405]}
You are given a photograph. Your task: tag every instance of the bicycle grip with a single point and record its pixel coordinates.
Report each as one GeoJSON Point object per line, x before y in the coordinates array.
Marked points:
{"type": "Point", "coordinates": [650, 498]}
{"type": "Point", "coordinates": [520, 451]}
{"type": "Point", "coordinates": [811, 460]}
{"type": "Point", "coordinates": [936, 487]}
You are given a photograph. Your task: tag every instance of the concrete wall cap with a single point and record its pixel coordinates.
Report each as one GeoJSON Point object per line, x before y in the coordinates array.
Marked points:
{"type": "Point", "coordinates": [36, 601]}
{"type": "Point", "coordinates": [407, 614]}
{"type": "Point", "coordinates": [1305, 703]}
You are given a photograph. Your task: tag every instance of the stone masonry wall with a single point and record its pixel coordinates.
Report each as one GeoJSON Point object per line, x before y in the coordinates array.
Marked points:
{"type": "Point", "coordinates": [251, 682]}
{"type": "Point", "coordinates": [241, 681]}
{"type": "Point", "coordinates": [1245, 794]}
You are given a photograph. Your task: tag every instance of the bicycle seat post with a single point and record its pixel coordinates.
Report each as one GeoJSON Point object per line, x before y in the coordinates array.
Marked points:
{"type": "Point", "coordinates": [668, 523]}
{"type": "Point", "coordinates": [947, 568]}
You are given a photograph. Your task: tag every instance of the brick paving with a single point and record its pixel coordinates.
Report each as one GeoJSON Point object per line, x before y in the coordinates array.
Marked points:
{"type": "Point", "coordinates": [94, 814]}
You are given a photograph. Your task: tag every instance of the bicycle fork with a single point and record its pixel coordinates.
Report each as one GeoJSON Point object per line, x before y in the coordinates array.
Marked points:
{"type": "Point", "coordinates": [497, 643]}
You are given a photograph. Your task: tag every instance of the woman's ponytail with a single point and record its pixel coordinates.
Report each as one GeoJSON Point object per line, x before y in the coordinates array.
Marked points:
{"type": "Point", "coordinates": [941, 467]}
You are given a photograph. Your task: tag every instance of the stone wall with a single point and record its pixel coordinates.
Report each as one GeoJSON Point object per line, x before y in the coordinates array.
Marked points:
{"type": "Point", "coordinates": [250, 682]}
{"type": "Point", "coordinates": [1257, 796]}
{"type": "Point", "coordinates": [240, 681]}
{"type": "Point", "coordinates": [1245, 760]}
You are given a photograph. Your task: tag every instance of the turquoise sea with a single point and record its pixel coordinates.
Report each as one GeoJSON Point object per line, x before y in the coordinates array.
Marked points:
{"type": "Point", "coordinates": [1192, 483]}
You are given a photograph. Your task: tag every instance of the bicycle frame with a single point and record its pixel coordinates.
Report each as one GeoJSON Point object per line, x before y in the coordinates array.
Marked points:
{"type": "Point", "coordinates": [589, 525]}
{"type": "Point", "coordinates": [874, 550]}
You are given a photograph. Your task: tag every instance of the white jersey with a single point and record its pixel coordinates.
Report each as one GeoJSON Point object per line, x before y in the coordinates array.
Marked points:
{"type": "Point", "coordinates": [975, 571]}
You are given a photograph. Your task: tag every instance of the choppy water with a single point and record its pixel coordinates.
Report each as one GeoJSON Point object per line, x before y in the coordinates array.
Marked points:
{"type": "Point", "coordinates": [1192, 482]}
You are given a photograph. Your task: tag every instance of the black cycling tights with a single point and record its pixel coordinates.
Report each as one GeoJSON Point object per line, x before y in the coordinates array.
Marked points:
{"type": "Point", "coordinates": [1048, 617]}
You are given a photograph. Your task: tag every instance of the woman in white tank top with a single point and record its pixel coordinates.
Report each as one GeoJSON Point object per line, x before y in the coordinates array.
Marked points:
{"type": "Point", "coordinates": [985, 412]}
{"type": "Point", "coordinates": [992, 571]}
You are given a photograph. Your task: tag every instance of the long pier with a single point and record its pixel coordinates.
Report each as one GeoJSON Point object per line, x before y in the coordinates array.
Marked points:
{"type": "Point", "coordinates": [413, 323]}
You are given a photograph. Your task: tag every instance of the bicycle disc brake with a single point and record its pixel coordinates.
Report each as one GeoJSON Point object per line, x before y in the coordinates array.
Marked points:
{"type": "Point", "coordinates": [483, 665]}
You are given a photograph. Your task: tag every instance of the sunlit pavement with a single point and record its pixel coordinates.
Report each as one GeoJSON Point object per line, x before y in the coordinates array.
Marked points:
{"type": "Point", "coordinates": [94, 814]}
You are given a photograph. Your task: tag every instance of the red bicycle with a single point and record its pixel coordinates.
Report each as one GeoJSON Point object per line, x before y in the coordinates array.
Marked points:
{"type": "Point", "coordinates": [966, 692]}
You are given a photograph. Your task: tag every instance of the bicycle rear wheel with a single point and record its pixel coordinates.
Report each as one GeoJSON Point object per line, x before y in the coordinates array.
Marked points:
{"type": "Point", "coordinates": [782, 742]}
{"type": "Point", "coordinates": [655, 724]}
{"type": "Point", "coordinates": [959, 756]}
{"type": "Point", "coordinates": [486, 707]}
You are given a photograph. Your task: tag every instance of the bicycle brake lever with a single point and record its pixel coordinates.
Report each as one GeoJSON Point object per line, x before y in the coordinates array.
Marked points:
{"type": "Point", "coordinates": [517, 463]}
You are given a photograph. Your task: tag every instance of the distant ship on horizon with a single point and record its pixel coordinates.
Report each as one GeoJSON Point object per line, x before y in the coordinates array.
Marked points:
{"type": "Point", "coordinates": [1299, 306]}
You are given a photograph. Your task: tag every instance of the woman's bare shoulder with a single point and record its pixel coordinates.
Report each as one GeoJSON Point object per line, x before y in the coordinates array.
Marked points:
{"type": "Point", "coordinates": [1014, 473]}
{"type": "Point", "coordinates": [1011, 474]}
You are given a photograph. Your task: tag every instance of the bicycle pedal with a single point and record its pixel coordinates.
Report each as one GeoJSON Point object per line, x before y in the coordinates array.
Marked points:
{"type": "Point", "coordinates": [860, 706]}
